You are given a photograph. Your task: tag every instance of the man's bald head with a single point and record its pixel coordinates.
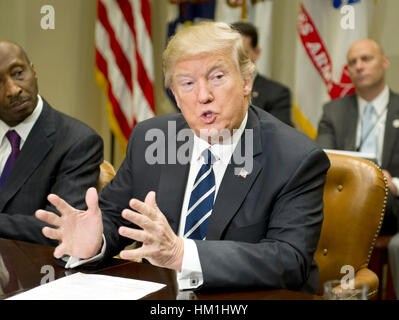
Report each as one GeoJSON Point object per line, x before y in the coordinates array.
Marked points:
{"type": "Point", "coordinates": [10, 43]}
{"type": "Point", "coordinates": [18, 84]}
{"type": "Point", "coordinates": [367, 65]}
{"type": "Point", "coordinates": [366, 43]}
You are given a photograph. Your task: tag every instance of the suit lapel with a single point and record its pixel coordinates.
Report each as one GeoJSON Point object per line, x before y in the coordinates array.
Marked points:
{"type": "Point", "coordinates": [391, 132]}
{"type": "Point", "coordinates": [171, 190]}
{"type": "Point", "coordinates": [235, 187]}
{"type": "Point", "coordinates": [351, 116]}
{"type": "Point", "coordinates": [35, 148]}
{"type": "Point", "coordinates": [232, 191]}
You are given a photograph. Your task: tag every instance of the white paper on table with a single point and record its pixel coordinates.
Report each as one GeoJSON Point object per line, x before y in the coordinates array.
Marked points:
{"type": "Point", "coordinates": [80, 286]}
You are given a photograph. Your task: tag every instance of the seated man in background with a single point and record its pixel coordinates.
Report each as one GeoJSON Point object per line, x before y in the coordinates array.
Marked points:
{"type": "Point", "coordinates": [220, 219]}
{"type": "Point", "coordinates": [41, 151]}
{"type": "Point", "coordinates": [368, 120]}
{"type": "Point", "coordinates": [267, 94]}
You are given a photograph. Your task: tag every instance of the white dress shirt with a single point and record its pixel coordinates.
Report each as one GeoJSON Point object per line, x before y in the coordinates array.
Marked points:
{"type": "Point", "coordinates": [191, 275]}
{"type": "Point", "coordinates": [23, 129]}
{"type": "Point", "coordinates": [380, 104]}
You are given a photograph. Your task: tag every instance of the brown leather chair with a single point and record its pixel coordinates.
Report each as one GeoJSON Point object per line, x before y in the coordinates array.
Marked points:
{"type": "Point", "coordinates": [107, 173]}
{"type": "Point", "coordinates": [355, 196]}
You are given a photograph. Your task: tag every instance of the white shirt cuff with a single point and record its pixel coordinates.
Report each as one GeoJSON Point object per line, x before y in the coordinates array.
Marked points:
{"type": "Point", "coordinates": [395, 181]}
{"type": "Point", "coordinates": [190, 276]}
{"type": "Point", "coordinates": [73, 262]}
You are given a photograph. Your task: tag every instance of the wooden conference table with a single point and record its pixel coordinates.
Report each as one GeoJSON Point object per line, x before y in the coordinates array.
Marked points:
{"type": "Point", "coordinates": [28, 263]}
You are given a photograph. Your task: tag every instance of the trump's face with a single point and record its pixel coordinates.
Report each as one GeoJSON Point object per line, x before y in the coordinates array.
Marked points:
{"type": "Point", "coordinates": [210, 93]}
{"type": "Point", "coordinates": [18, 85]}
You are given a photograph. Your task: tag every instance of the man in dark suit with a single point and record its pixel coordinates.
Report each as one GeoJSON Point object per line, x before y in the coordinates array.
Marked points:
{"type": "Point", "coordinates": [344, 119]}
{"type": "Point", "coordinates": [267, 94]}
{"type": "Point", "coordinates": [250, 218]}
{"type": "Point", "coordinates": [54, 152]}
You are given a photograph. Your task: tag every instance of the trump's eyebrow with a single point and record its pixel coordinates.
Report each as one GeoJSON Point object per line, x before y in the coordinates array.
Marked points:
{"type": "Point", "coordinates": [211, 68]}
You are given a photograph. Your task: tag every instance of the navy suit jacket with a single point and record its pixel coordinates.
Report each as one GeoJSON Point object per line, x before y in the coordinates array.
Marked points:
{"type": "Point", "coordinates": [272, 97]}
{"type": "Point", "coordinates": [264, 228]}
{"type": "Point", "coordinates": [61, 155]}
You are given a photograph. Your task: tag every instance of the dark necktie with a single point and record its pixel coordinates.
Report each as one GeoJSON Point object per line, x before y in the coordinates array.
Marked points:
{"type": "Point", "coordinates": [201, 200]}
{"type": "Point", "coordinates": [15, 140]}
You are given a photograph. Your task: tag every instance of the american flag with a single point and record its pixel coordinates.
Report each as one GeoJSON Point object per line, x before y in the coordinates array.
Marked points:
{"type": "Point", "coordinates": [124, 63]}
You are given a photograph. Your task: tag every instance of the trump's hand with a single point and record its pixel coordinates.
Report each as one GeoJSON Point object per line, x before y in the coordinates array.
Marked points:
{"type": "Point", "coordinates": [161, 246]}
{"type": "Point", "coordinates": [79, 232]}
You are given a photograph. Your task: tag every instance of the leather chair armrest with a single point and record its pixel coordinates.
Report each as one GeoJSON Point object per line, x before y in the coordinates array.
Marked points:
{"type": "Point", "coordinates": [368, 277]}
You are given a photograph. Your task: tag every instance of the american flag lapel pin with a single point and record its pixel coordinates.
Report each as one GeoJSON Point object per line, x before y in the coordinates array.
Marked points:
{"type": "Point", "coordinates": [243, 173]}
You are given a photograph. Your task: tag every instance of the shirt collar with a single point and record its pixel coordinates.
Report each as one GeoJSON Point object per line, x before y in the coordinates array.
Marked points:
{"type": "Point", "coordinates": [221, 151]}
{"type": "Point", "coordinates": [23, 128]}
{"type": "Point", "coordinates": [379, 103]}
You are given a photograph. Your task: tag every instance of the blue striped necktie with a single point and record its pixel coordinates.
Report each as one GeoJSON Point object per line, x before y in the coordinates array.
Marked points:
{"type": "Point", "coordinates": [201, 200]}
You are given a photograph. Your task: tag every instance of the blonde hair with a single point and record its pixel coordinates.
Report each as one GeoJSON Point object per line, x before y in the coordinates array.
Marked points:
{"type": "Point", "coordinates": [206, 37]}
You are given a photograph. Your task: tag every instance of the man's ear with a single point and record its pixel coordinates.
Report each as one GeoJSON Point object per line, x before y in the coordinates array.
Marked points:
{"type": "Point", "coordinates": [257, 52]}
{"type": "Point", "coordinates": [248, 85]}
{"type": "Point", "coordinates": [386, 62]}
{"type": "Point", "coordinates": [33, 69]}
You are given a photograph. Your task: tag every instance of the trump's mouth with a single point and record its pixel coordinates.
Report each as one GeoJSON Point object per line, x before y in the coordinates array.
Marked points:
{"type": "Point", "coordinates": [208, 117]}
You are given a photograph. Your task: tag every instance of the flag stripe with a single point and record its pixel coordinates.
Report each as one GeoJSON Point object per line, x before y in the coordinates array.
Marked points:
{"type": "Point", "coordinates": [121, 60]}
{"type": "Point", "coordinates": [143, 101]}
{"type": "Point", "coordinates": [143, 40]}
{"type": "Point", "coordinates": [122, 30]}
{"type": "Point", "coordinates": [102, 66]}
{"type": "Point", "coordinates": [142, 77]}
{"type": "Point", "coordinates": [120, 89]}
{"type": "Point", "coordinates": [124, 57]}
{"type": "Point", "coordinates": [146, 13]}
